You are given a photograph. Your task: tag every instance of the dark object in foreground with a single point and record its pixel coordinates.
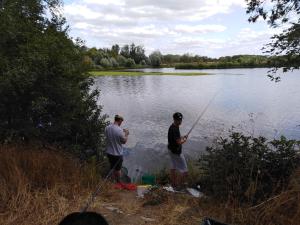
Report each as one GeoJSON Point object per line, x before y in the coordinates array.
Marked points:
{"type": "Point", "coordinates": [208, 221]}
{"type": "Point", "coordinates": [86, 218]}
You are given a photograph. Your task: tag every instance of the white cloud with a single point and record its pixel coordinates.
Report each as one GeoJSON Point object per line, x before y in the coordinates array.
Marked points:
{"type": "Point", "coordinates": [173, 26]}
{"type": "Point", "coordinates": [185, 5]}
{"type": "Point", "coordinates": [151, 9]}
{"type": "Point", "coordinates": [82, 11]}
{"type": "Point", "coordinates": [105, 2]}
{"type": "Point", "coordinates": [246, 41]}
{"type": "Point", "coordinates": [148, 31]}
{"type": "Point", "coordinates": [199, 28]}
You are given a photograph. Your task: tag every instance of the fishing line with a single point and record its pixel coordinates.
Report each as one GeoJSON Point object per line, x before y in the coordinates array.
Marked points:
{"type": "Point", "coordinates": [202, 113]}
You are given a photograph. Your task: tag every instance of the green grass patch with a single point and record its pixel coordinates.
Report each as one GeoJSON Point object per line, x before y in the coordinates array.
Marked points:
{"type": "Point", "coordinates": [139, 73]}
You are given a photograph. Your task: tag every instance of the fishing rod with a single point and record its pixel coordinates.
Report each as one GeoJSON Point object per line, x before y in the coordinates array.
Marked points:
{"type": "Point", "coordinates": [99, 187]}
{"type": "Point", "coordinates": [202, 113]}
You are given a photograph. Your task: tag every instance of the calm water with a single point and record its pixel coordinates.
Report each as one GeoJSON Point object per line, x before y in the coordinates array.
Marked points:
{"type": "Point", "coordinates": [247, 100]}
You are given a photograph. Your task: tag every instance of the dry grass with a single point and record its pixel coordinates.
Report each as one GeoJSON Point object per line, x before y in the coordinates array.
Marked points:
{"type": "Point", "coordinates": [40, 186]}
{"type": "Point", "coordinates": [282, 209]}
{"type": "Point", "coordinates": [170, 208]}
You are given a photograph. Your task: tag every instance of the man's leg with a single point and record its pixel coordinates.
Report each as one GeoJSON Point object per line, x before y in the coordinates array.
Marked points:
{"type": "Point", "coordinates": [111, 164]}
{"type": "Point", "coordinates": [183, 179]}
{"type": "Point", "coordinates": [173, 170]}
{"type": "Point", "coordinates": [115, 165]}
{"type": "Point", "coordinates": [118, 167]}
{"type": "Point", "coordinates": [182, 167]}
{"type": "Point", "coordinates": [117, 176]}
{"type": "Point", "coordinates": [173, 177]}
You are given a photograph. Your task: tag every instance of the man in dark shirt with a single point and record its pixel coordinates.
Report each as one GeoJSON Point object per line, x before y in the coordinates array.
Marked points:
{"type": "Point", "coordinates": [175, 141]}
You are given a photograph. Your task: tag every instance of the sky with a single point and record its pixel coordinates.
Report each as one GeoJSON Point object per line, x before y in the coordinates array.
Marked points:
{"type": "Point", "coordinates": [211, 28]}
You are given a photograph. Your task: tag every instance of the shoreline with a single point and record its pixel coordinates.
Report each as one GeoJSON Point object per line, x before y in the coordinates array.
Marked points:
{"type": "Point", "coordinates": [139, 73]}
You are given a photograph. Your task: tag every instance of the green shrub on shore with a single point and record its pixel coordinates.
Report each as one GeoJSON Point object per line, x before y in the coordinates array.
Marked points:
{"type": "Point", "coordinates": [248, 169]}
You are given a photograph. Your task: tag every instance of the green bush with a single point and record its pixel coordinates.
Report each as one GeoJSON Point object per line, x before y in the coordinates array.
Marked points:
{"type": "Point", "coordinates": [143, 63]}
{"type": "Point", "coordinates": [114, 62]}
{"type": "Point", "coordinates": [130, 62]}
{"type": "Point", "coordinates": [105, 63]}
{"type": "Point", "coordinates": [155, 58]}
{"type": "Point", "coordinates": [247, 168]}
{"type": "Point", "coordinates": [121, 60]}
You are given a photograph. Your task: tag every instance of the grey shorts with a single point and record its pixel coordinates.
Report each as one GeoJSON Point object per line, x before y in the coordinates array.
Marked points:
{"type": "Point", "coordinates": [178, 162]}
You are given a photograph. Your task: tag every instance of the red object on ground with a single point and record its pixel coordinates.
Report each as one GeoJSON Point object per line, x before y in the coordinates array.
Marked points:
{"type": "Point", "coordinates": [122, 186]}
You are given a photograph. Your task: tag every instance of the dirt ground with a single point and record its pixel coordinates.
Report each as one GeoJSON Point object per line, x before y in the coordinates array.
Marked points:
{"type": "Point", "coordinates": [121, 207]}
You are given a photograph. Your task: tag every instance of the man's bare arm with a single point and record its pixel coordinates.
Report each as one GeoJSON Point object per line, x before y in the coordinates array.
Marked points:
{"type": "Point", "coordinates": [123, 141]}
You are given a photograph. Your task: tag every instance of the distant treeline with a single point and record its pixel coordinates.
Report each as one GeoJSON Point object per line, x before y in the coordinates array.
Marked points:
{"type": "Point", "coordinates": [133, 56]}
{"type": "Point", "coordinates": [237, 61]}
{"type": "Point", "coordinates": [128, 56]}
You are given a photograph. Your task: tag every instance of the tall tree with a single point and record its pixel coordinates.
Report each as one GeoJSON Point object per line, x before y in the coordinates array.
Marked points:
{"type": "Point", "coordinates": [44, 85]}
{"type": "Point", "coordinates": [139, 54]}
{"type": "Point", "coordinates": [155, 58]}
{"type": "Point", "coordinates": [115, 49]}
{"type": "Point", "coordinates": [277, 13]}
{"type": "Point", "coordinates": [125, 51]}
{"type": "Point", "coordinates": [135, 52]}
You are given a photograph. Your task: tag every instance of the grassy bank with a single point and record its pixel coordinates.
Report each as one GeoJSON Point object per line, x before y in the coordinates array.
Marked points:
{"type": "Point", "coordinates": [139, 73]}
{"type": "Point", "coordinates": [40, 187]}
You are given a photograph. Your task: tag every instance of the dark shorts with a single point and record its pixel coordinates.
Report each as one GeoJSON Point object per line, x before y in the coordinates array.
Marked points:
{"type": "Point", "coordinates": [115, 161]}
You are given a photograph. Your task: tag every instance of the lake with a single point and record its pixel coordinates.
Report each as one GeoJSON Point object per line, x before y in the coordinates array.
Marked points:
{"type": "Point", "coordinates": [246, 101]}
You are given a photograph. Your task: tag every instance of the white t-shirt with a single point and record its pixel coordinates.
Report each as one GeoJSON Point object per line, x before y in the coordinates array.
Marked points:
{"type": "Point", "coordinates": [114, 137]}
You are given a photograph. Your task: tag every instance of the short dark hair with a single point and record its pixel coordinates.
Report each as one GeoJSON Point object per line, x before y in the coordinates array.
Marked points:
{"type": "Point", "coordinates": [118, 118]}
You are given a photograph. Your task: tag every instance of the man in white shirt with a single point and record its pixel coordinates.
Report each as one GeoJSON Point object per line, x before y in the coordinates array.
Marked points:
{"type": "Point", "coordinates": [115, 138]}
